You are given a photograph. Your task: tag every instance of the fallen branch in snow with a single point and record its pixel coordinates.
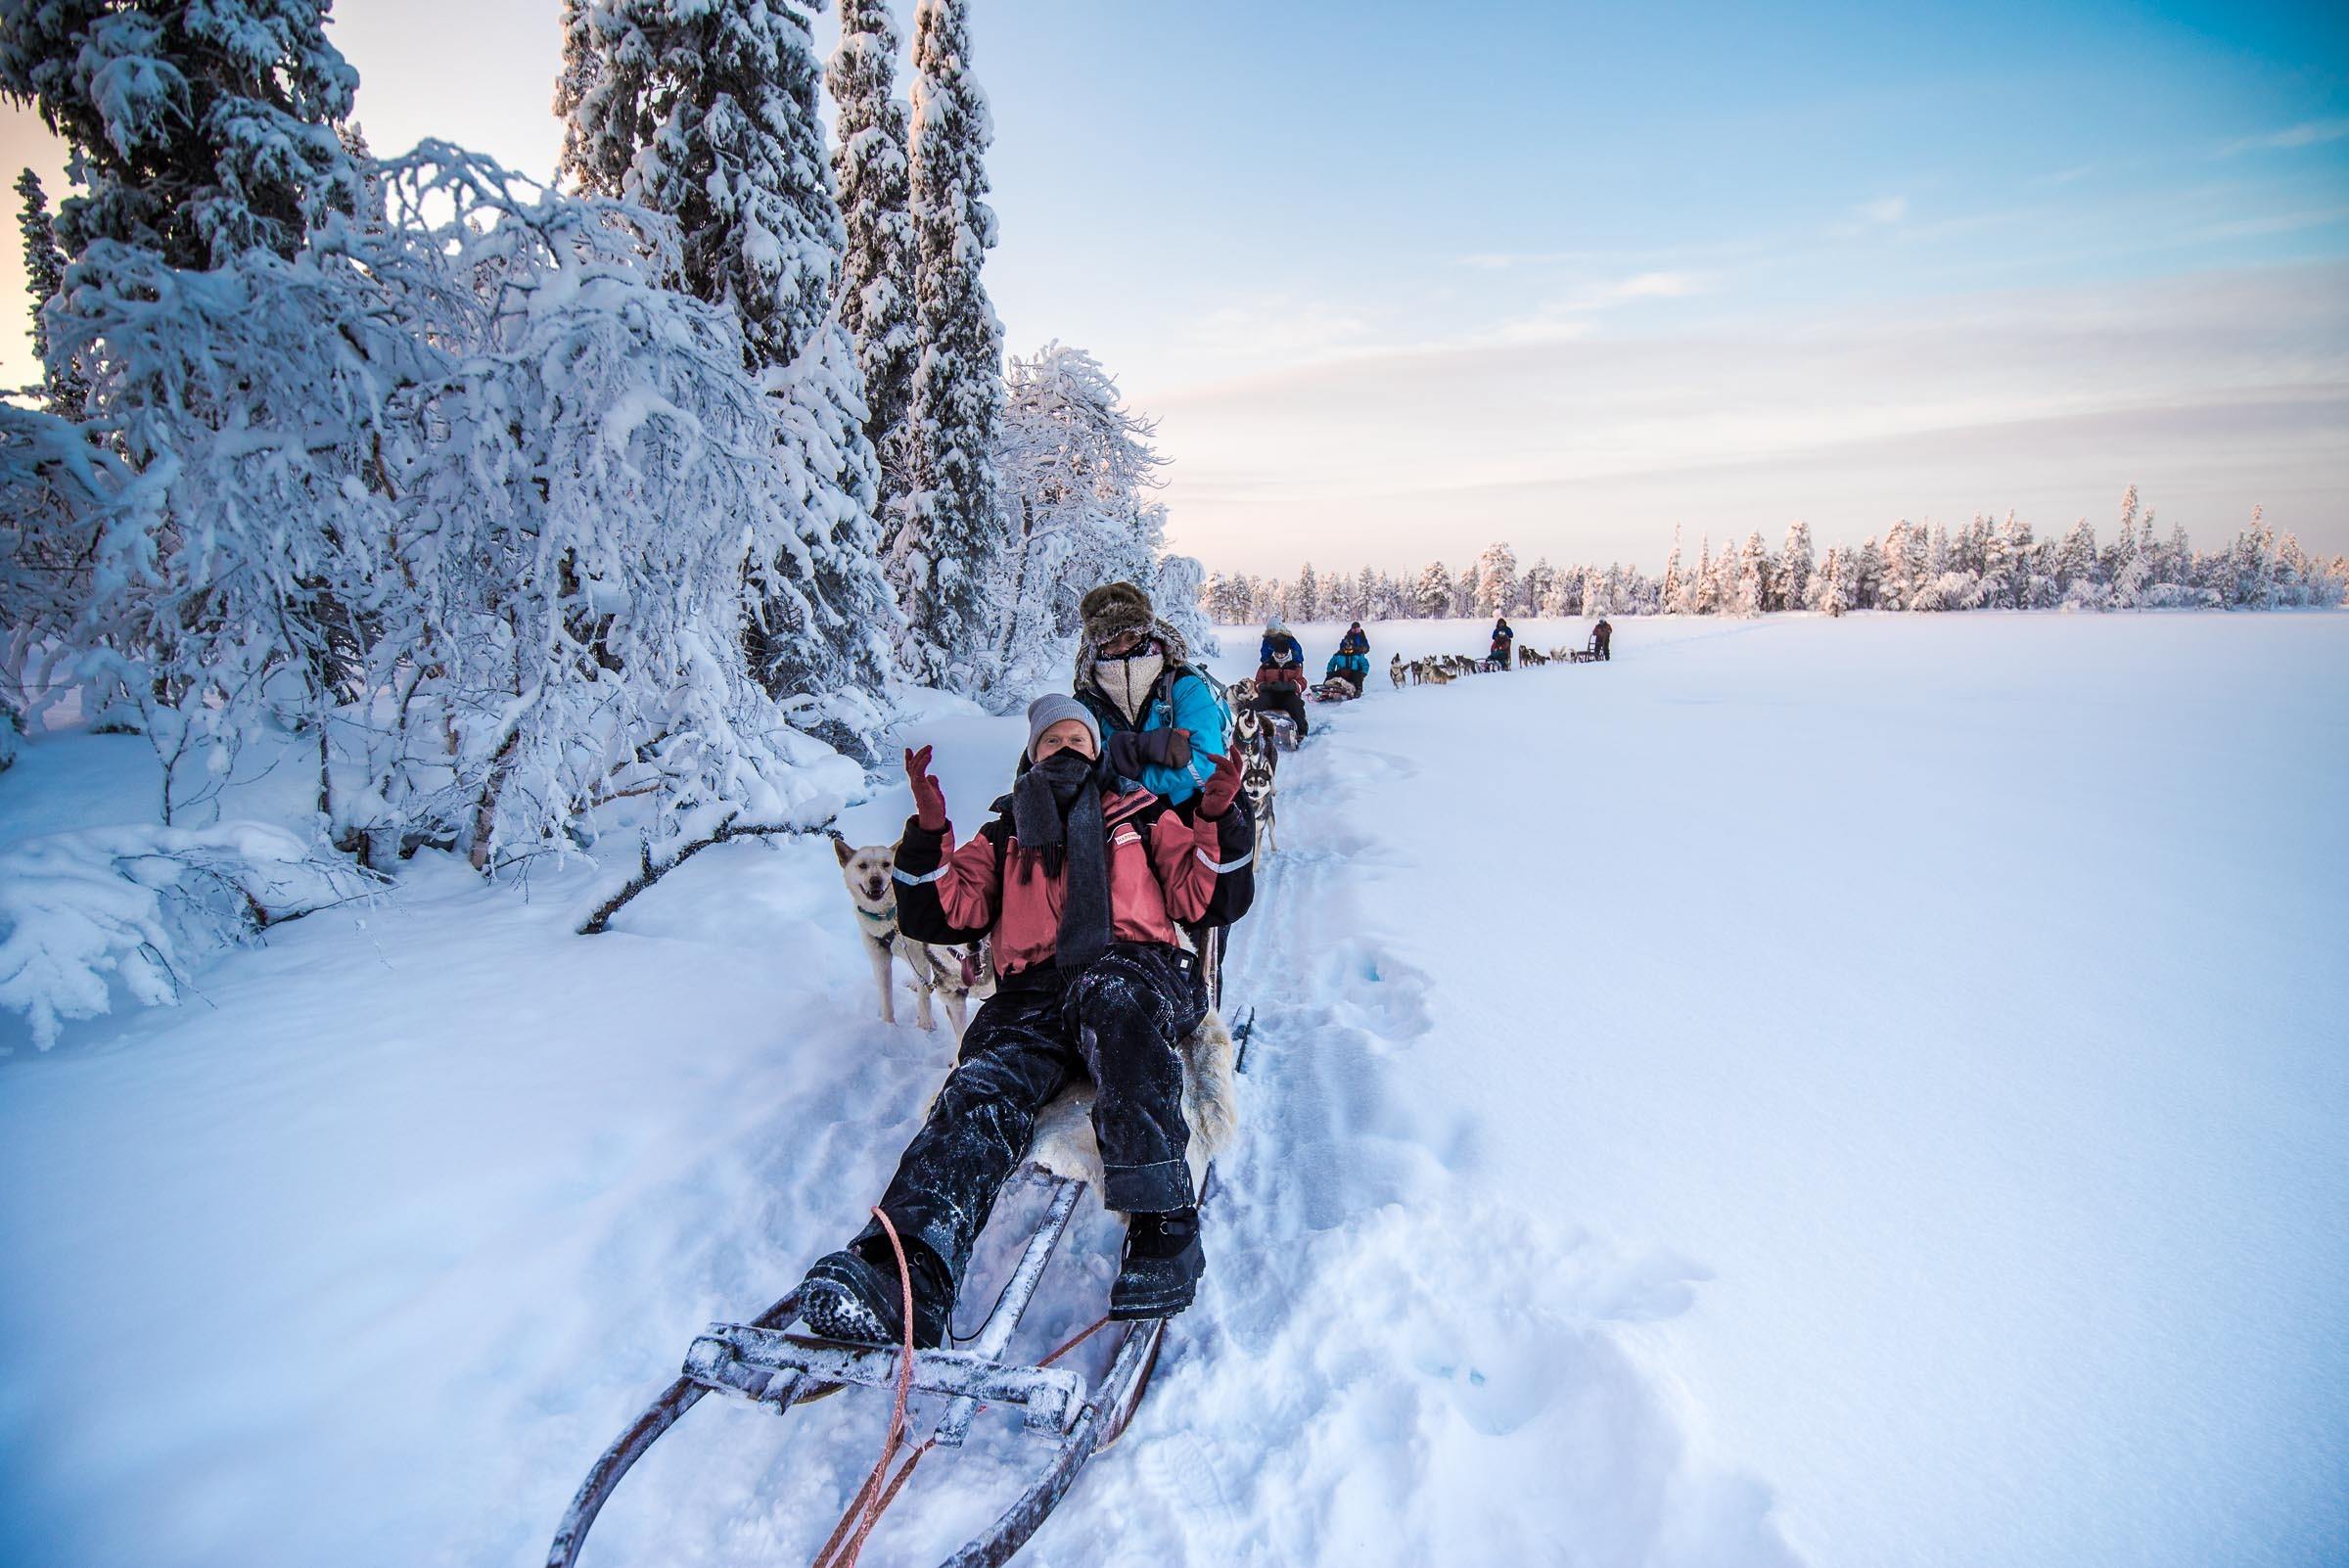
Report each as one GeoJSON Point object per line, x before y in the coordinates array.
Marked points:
{"type": "Point", "coordinates": [601, 920]}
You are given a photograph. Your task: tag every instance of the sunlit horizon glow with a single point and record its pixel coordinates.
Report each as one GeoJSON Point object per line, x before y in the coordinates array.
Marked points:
{"type": "Point", "coordinates": [1399, 284]}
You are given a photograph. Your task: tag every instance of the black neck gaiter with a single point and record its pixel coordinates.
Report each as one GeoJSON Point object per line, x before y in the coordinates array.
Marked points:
{"type": "Point", "coordinates": [1056, 811]}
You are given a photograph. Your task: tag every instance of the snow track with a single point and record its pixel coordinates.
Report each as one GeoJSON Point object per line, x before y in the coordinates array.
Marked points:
{"type": "Point", "coordinates": [1386, 1366]}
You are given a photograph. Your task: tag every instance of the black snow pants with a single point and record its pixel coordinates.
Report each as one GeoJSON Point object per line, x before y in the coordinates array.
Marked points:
{"type": "Point", "coordinates": [1282, 697]}
{"type": "Point", "coordinates": [1120, 1020]}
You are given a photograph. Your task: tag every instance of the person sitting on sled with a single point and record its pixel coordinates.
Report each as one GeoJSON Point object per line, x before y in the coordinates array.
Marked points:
{"type": "Point", "coordinates": [1081, 881]}
{"type": "Point", "coordinates": [1280, 676]}
{"type": "Point", "coordinates": [1503, 640]}
{"type": "Point", "coordinates": [1351, 664]}
{"type": "Point", "coordinates": [1164, 723]}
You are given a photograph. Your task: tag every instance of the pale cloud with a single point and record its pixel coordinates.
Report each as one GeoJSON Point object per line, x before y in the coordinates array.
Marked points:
{"type": "Point", "coordinates": [2066, 176]}
{"type": "Point", "coordinates": [1567, 316]}
{"type": "Point", "coordinates": [1883, 210]}
{"type": "Point", "coordinates": [2308, 133]}
{"type": "Point", "coordinates": [2272, 223]}
{"type": "Point", "coordinates": [1277, 328]}
{"type": "Point", "coordinates": [2214, 392]}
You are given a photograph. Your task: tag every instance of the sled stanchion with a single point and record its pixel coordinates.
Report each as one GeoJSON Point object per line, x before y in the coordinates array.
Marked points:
{"type": "Point", "coordinates": [995, 1333]}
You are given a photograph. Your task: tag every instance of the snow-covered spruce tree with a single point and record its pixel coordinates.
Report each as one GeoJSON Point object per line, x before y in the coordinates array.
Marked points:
{"type": "Point", "coordinates": [1704, 586]}
{"type": "Point", "coordinates": [1075, 467]}
{"type": "Point", "coordinates": [1464, 592]}
{"type": "Point", "coordinates": [2117, 555]}
{"type": "Point", "coordinates": [1791, 585]}
{"type": "Point", "coordinates": [1495, 580]}
{"type": "Point", "coordinates": [1178, 590]}
{"type": "Point", "coordinates": [45, 277]}
{"type": "Point", "coordinates": [197, 129]}
{"type": "Point", "coordinates": [1830, 593]}
{"type": "Point", "coordinates": [2076, 566]}
{"type": "Point", "coordinates": [705, 111]}
{"type": "Point", "coordinates": [1433, 596]}
{"type": "Point", "coordinates": [942, 558]}
{"type": "Point", "coordinates": [876, 284]}
{"type": "Point", "coordinates": [1305, 594]}
{"type": "Point", "coordinates": [1749, 589]}
{"type": "Point", "coordinates": [1901, 574]}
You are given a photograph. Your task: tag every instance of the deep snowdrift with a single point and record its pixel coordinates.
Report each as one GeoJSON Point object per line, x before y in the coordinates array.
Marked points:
{"type": "Point", "coordinates": [1866, 1092]}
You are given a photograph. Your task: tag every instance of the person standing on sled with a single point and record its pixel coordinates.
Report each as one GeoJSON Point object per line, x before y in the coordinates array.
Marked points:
{"type": "Point", "coordinates": [1079, 880]}
{"type": "Point", "coordinates": [1280, 675]}
{"type": "Point", "coordinates": [1603, 639]}
{"type": "Point", "coordinates": [1503, 641]}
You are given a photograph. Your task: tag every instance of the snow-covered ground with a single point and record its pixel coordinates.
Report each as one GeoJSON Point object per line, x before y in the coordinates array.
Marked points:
{"type": "Point", "coordinates": [1858, 1092]}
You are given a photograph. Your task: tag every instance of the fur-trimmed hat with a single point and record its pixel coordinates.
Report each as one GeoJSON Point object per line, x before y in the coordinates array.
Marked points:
{"type": "Point", "coordinates": [1114, 609]}
{"type": "Point", "coordinates": [1109, 613]}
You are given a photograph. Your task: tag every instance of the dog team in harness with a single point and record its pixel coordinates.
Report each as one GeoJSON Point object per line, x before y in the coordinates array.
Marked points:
{"type": "Point", "coordinates": [1124, 838]}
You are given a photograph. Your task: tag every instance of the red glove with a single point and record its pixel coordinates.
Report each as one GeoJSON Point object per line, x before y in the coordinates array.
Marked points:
{"type": "Point", "coordinates": [1223, 786]}
{"type": "Point", "coordinates": [929, 799]}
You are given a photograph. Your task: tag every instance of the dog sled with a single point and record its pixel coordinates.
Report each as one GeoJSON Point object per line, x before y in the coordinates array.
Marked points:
{"type": "Point", "coordinates": [1073, 1419]}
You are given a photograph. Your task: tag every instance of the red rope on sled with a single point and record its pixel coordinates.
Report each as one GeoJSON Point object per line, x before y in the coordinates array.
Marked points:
{"type": "Point", "coordinates": [848, 1538]}
{"type": "Point", "coordinates": [873, 1498]}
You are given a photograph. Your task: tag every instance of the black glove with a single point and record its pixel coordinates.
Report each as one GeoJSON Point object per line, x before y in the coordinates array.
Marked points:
{"type": "Point", "coordinates": [1130, 750]}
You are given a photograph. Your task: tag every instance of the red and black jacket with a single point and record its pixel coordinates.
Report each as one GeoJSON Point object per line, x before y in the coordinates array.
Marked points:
{"type": "Point", "coordinates": [1165, 871]}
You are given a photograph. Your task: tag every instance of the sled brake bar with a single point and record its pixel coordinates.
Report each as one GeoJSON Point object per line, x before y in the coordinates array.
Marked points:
{"type": "Point", "coordinates": [1048, 1396]}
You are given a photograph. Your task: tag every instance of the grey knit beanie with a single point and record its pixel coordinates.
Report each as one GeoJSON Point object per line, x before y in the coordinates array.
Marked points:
{"type": "Point", "coordinates": [1047, 712]}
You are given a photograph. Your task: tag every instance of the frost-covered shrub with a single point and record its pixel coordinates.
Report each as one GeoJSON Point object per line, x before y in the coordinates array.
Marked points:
{"type": "Point", "coordinates": [231, 578]}
{"type": "Point", "coordinates": [460, 493]}
{"type": "Point", "coordinates": [1952, 590]}
{"type": "Point", "coordinates": [587, 483]}
{"type": "Point", "coordinates": [1076, 467]}
{"type": "Point", "coordinates": [86, 914]}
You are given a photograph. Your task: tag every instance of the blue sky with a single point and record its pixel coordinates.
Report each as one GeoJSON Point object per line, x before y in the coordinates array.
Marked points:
{"type": "Point", "coordinates": [1400, 279]}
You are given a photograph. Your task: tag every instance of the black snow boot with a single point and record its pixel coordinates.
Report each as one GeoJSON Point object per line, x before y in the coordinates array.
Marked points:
{"type": "Point", "coordinates": [1159, 1271]}
{"type": "Point", "coordinates": [853, 1295]}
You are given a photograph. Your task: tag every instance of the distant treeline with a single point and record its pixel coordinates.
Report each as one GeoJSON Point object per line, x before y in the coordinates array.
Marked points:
{"type": "Point", "coordinates": [1982, 565]}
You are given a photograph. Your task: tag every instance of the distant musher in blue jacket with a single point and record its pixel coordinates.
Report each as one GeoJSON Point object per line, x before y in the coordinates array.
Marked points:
{"type": "Point", "coordinates": [1352, 662]}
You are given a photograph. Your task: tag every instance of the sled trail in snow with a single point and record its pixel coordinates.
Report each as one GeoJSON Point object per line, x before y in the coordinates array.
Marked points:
{"type": "Point", "coordinates": [1421, 1372]}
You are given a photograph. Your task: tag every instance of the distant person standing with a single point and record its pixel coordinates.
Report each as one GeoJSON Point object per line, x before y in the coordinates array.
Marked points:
{"type": "Point", "coordinates": [1505, 642]}
{"type": "Point", "coordinates": [1603, 637]}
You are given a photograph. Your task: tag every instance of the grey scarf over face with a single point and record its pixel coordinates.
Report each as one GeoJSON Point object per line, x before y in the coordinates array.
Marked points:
{"type": "Point", "coordinates": [1056, 811]}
